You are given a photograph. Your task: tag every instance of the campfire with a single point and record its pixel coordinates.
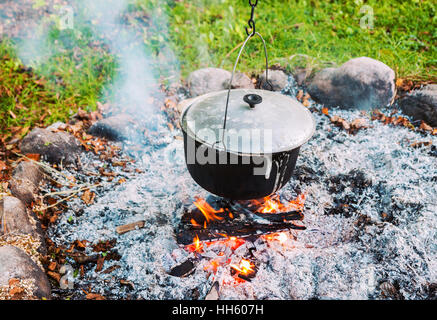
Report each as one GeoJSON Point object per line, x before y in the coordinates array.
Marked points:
{"type": "Point", "coordinates": [221, 226]}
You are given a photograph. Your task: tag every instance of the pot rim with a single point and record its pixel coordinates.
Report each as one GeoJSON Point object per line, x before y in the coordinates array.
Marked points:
{"type": "Point", "coordinates": [216, 146]}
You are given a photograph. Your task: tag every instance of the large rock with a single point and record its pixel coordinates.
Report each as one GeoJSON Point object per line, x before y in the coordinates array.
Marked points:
{"type": "Point", "coordinates": [116, 128]}
{"type": "Point", "coordinates": [240, 81]}
{"type": "Point", "coordinates": [277, 78]}
{"type": "Point", "coordinates": [363, 83]}
{"type": "Point", "coordinates": [55, 147]}
{"type": "Point", "coordinates": [208, 80]}
{"type": "Point", "coordinates": [25, 180]}
{"type": "Point", "coordinates": [421, 104]}
{"type": "Point", "coordinates": [14, 219]}
{"type": "Point", "coordinates": [28, 170]}
{"type": "Point", "coordinates": [16, 264]}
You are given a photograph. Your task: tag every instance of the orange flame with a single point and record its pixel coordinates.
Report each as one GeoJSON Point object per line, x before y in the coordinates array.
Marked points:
{"type": "Point", "coordinates": [208, 211]}
{"type": "Point", "coordinates": [245, 267]}
{"type": "Point", "coordinates": [197, 246]}
{"type": "Point", "coordinates": [274, 205]}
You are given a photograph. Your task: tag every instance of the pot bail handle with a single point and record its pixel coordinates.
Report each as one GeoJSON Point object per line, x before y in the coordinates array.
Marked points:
{"type": "Point", "coordinates": [232, 78]}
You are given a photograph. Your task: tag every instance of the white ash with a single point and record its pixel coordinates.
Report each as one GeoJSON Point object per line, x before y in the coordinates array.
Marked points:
{"type": "Point", "coordinates": [337, 257]}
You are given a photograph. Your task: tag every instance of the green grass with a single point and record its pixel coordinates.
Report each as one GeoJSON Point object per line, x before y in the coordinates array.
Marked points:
{"type": "Point", "coordinates": [313, 33]}
{"type": "Point", "coordinates": [54, 89]}
{"type": "Point", "coordinates": [202, 33]}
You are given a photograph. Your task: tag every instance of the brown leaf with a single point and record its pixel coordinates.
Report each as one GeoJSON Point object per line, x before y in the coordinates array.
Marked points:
{"type": "Point", "coordinates": [325, 111]}
{"type": "Point", "coordinates": [419, 144]}
{"type": "Point", "coordinates": [425, 127]}
{"type": "Point", "coordinates": [52, 266]}
{"type": "Point", "coordinates": [299, 95]}
{"type": "Point", "coordinates": [16, 290]}
{"type": "Point", "coordinates": [88, 197]}
{"type": "Point", "coordinates": [94, 296]}
{"type": "Point", "coordinates": [340, 122]}
{"type": "Point", "coordinates": [33, 156]}
{"type": "Point", "coordinates": [13, 282]}
{"type": "Point", "coordinates": [3, 165]}
{"type": "Point", "coordinates": [100, 262]}
{"type": "Point", "coordinates": [359, 123]}
{"type": "Point", "coordinates": [399, 82]}
{"type": "Point", "coordinates": [54, 275]}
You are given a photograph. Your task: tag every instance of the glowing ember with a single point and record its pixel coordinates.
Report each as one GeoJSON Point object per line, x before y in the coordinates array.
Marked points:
{"type": "Point", "coordinates": [197, 246]}
{"type": "Point", "coordinates": [245, 267]}
{"type": "Point", "coordinates": [282, 237]}
{"type": "Point", "coordinates": [274, 205]}
{"type": "Point", "coordinates": [208, 211]}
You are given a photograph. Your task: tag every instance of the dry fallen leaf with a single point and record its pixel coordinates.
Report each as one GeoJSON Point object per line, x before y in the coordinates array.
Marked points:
{"type": "Point", "coordinates": [340, 122]}
{"type": "Point", "coordinates": [33, 156]}
{"type": "Point", "coordinates": [359, 123]}
{"type": "Point", "coordinates": [419, 144]}
{"type": "Point", "coordinates": [16, 290]}
{"type": "Point", "coordinates": [88, 197]}
{"type": "Point", "coordinates": [54, 275]}
{"type": "Point", "coordinates": [325, 111]}
{"type": "Point", "coordinates": [3, 166]}
{"type": "Point", "coordinates": [13, 281]}
{"type": "Point", "coordinates": [52, 266]}
{"type": "Point", "coordinates": [425, 127]}
{"type": "Point", "coordinates": [299, 95]}
{"type": "Point", "coordinates": [94, 296]}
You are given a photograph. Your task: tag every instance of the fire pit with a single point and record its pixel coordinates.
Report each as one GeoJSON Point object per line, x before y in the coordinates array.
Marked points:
{"type": "Point", "coordinates": [367, 222]}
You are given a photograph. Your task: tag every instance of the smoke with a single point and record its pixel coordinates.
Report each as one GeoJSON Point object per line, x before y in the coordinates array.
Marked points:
{"type": "Point", "coordinates": [136, 33]}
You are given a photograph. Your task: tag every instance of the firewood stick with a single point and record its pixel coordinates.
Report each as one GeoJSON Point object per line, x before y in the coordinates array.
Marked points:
{"type": "Point", "coordinates": [130, 226]}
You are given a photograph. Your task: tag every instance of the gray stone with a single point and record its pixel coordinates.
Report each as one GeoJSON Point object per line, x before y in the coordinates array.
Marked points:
{"type": "Point", "coordinates": [277, 78]}
{"type": "Point", "coordinates": [23, 189]}
{"type": "Point", "coordinates": [14, 219]}
{"type": "Point", "coordinates": [15, 263]}
{"type": "Point", "coordinates": [30, 171]}
{"type": "Point", "coordinates": [421, 104]}
{"type": "Point", "coordinates": [363, 83]}
{"type": "Point", "coordinates": [208, 80]}
{"type": "Point", "coordinates": [240, 81]}
{"type": "Point", "coordinates": [25, 180]}
{"type": "Point", "coordinates": [116, 128]}
{"type": "Point", "coordinates": [55, 147]}
{"type": "Point", "coordinates": [57, 126]}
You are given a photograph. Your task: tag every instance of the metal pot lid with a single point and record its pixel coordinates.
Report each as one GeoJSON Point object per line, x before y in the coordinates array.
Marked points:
{"type": "Point", "coordinates": [258, 121]}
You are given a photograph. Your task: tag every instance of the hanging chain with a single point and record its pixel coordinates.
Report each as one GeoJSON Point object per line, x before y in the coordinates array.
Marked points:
{"type": "Point", "coordinates": [251, 22]}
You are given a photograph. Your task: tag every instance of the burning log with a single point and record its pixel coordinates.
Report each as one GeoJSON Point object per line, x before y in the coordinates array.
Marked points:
{"type": "Point", "coordinates": [184, 269]}
{"type": "Point", "coordinates": [276, 217]}
{"type": "Point", "coordinates": [130, 226]}
{"type": "Point", "coordinates": [240, 230]}
{"type": "Point", "coordinates": [217, 219]}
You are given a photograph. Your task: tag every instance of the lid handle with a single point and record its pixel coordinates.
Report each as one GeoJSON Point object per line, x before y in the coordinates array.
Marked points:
{"type": "Point", "coordinates": [252, 99]}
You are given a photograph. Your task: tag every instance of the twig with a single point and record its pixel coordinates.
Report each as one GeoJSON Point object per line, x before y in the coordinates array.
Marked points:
{"type": "Point", "coordinates": [49, 170]}
{"type": "Point", "coordinates": [130, 226]}
{"type": "Point", "coordinates": [74, 191]}
{"type": "Point", "coordinates": [60, 201]}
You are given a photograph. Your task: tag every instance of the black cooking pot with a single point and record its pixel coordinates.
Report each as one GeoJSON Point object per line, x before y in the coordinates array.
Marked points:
{"type": "Point", "coordinates": [255, 156]}
{"type": "Point", "coordinates": [252, 151]}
